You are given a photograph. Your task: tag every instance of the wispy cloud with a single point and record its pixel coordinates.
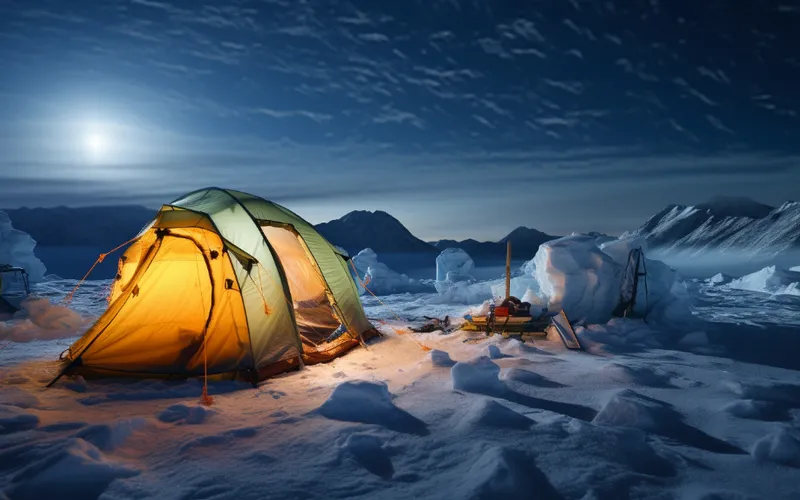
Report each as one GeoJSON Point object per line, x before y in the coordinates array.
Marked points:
{"type": "Point", "coordinates": [317, 117]}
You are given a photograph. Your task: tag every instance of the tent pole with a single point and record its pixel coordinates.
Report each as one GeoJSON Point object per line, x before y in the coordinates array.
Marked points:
{"type": "Point", "coordinates": [508, 269]}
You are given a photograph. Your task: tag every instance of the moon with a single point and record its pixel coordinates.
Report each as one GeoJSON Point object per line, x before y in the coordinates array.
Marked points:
{"type": "Point", "coordinates": [96, 144]}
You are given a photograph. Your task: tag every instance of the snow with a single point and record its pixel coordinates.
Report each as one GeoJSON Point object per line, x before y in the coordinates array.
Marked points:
{"type": "Point", "coordinates": [772, 280]}
{"type": "Point", "coordinates": [781, 446]}
{"type": "Point", "coordinates": [651, 411]}
{"type": "Point", "coordinates": [380, 279]}
{"type": "Point", "coordinates": [16, 249]}
{"type": "Point", "coordinates": [40, 319]}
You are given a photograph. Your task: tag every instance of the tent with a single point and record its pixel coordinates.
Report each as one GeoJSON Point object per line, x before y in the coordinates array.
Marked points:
{"type": "Point", "coordinates": [223, 283]}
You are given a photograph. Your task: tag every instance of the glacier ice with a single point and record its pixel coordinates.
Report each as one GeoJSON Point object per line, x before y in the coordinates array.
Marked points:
{"type": "Point", "coordinates": [454, 264]}
{"type": "Point", "coordinates": [583, 279]}
{"type": "Point", "coordinates": [16, 249]}
{"type": "Point", "coordinates": [380, 279]}
{"type": "Point", "coordinates": [771, 280]}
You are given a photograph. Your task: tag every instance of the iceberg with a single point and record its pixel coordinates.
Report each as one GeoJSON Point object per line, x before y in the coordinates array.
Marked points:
{"type": "Point", "coordinates": [453, 265]}
{"type": "Point", "coordinates": [380, 279]}
{"type": "Point", "coordinates": [772, 280]}
{"type": "Point", "coordinates": [16, 249]}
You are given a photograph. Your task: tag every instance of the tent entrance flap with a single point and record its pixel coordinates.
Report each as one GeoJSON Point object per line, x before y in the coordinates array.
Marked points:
{"type": "Point", "coordinates": [314, 313]}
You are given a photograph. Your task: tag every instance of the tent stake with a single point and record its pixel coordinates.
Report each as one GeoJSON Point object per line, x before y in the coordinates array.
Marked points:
{"type": "Point", "coordinates": [508, 269]}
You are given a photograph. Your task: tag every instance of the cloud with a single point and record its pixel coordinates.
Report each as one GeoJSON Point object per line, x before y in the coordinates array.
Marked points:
{"type": "Point", "coordinates": [374, 37]}
{"type": "Point", "coordinates": [317, 117]}
{"type": "Point", "coordinates": [391, 115]}
{"type": "Point", "coordinates": [717, 124]}
{"type": "Point", "coordinates": [575, 53]}
{"type": "Point", "coordinates": [494, 47]}
{"type": "Point", "coordinates": [529, 51]}
{"type": "Point", "coordinates": [572, 87]}
{"type": "Point", "coordinates": [483, 121]}
{"type": "Point", "coordinates": [683, 83]}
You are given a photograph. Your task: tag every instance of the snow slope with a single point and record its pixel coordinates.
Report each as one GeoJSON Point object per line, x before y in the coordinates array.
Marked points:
{"type": "Point", "coordinates": [739, 228]}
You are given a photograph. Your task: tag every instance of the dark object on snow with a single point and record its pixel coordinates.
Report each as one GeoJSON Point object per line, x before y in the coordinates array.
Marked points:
{"type": "Point", "coordinates": [630, 285]}
{"type": "Point", "coordinates": [336, 333]}
{"type": "Point", "coordinates": [11, 300]}
{"type": "Point", "coordinates": [433, 325]}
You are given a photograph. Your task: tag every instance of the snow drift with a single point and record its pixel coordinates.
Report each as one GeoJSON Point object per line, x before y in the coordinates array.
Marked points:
{"type": "Point", "coordinates": [771, 280]}
{"type": "Point", "coordinates": [380, 279]}
{"type": "Point", "coordinates": [16, 249]}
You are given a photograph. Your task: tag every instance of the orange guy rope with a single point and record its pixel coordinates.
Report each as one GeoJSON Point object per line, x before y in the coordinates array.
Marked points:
{"type": "Point", "coordinates": [423, 346]}
{"type": "Point", "coordinates": [100, 259]}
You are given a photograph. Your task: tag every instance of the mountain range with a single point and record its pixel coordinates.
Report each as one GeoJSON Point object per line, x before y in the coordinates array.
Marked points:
{"type": "Point", "coordinates": [725, 229]}
{"type": "Point", "coordinates": [738, 227]}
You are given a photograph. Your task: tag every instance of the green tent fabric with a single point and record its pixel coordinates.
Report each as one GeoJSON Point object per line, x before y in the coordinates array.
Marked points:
{"type": "Point", "coordinates": [222, 282]}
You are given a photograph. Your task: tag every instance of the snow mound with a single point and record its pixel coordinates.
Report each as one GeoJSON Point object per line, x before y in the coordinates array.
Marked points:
{"type": "Point", "coordinates": [494, 352]}
{"type": "Point", "coordinates": [453, 265]}
{"type": "Point", "coordinates": [15, 419]}
{"type": "Point", "coordinates": [630, 409]}
{"type": "Point", "coordinates": [781, 446]}
{"type": "Point", "coordinates": [502, 472]}
{"type": "Point", "coordinates": [528, 377]}
{"type": "Point", "coordinates": [618, 333]}
{"type": "Point", "coordinates": [16, 249]}
{"type": "Point", "coordinates": [368, 451]}
{"type": "Point", "coordinates": [479, 375]}
{"type": "Point", "coordinates": [757, 410]}
{"type": "Point", "coordinates": [772, 280]}
{"type": "Point", "coordinates": [182, 414]}
{"type": "Point", "coordinates": [369, 403]}
{"type": "Point", "coordinates": [776, 392]}
{"type": "Point", "coordinates": [40, 319]}
{"type": "Point", "coordinates": [638, 375]}
{"type": "Point", "coordinates": [14, 396]}
{"type": "Point", "coordinates": [487, 413]}
{"type": "Point", "coordinates": [110, 437]}
{"type": "Point", "coordinates": [441, 359]}
{"type": "Point", "coordinates": [380, 279]}
{"type": "Point", "coordinates": [72, 469]}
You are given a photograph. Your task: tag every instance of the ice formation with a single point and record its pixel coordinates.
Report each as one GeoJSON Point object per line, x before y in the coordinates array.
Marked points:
{"type": "Point", "coordinates": [573, 273]}
{"type": "Point", "coordinates": [453, 265]}
{"type": "Point", "coordinates": [380, 279]}
{"type": "Point", "coordinates": [576, 276]}
{"type": "Point", "coordinates": [771, 280]}
{"type": "Point", "coordinates": [16, 249]}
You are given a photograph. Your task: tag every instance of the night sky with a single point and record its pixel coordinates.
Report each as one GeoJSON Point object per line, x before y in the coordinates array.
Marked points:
{"type": "Point", "coordinates": [463, 118]}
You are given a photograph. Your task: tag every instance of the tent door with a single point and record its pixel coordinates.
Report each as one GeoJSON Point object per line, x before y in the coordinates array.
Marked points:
{"type": "Point", "coordinates": [315, 315]}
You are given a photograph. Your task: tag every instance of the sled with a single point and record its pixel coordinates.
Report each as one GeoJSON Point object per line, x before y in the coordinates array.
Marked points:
{"type": "Point", "coordinates": [560, 323]}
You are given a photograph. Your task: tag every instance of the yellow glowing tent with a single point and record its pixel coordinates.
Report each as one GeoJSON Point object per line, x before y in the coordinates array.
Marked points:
{"type": "Point", "coordinates": [223, 283]}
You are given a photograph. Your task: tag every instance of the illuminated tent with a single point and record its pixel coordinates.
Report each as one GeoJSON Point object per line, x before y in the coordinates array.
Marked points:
{"type": "Point", "coordinates": [224, 283]}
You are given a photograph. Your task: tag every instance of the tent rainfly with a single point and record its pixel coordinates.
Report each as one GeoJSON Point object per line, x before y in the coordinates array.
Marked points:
{"type": "Point", "coordinates": [223, 283]}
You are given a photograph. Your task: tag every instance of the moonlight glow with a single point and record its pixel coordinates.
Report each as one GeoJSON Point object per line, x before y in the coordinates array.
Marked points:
{"type": "Point", "coordinates": [96, 144]}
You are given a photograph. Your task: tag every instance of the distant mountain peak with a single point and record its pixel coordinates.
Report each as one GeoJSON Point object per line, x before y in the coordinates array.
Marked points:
{"type": "Point", "coordinates": [735, 206]}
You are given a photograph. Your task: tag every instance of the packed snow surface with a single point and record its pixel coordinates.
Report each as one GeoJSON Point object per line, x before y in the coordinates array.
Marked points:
{"type": "Point", "coordinates": [16, 249]}
{"type": "Point", "coordinates": [649, 411]}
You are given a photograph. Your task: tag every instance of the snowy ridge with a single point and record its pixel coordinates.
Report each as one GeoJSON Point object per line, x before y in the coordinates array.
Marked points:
{"type": "Point", "coordinates": [702, 228]}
